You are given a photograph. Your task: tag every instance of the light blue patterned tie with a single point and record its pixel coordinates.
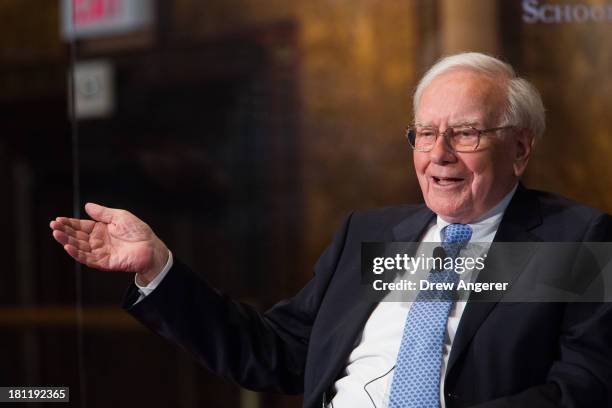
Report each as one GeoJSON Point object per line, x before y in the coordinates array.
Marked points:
{"type": "Point", "coordinates": [416, 381]}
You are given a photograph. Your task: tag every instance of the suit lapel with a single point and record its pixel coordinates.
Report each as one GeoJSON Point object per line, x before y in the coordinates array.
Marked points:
{"type": "Point", "coordinates": [521, 216]}
{"type": "Point", "coordinates": [411, 228]}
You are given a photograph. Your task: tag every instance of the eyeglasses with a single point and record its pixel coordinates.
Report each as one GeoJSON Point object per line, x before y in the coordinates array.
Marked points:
{"type": "Point", "coordinates": [461, 139]}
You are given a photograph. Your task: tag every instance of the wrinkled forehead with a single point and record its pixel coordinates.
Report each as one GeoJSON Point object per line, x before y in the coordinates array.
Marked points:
{"type": "Point", "coordinates": [462, 97]}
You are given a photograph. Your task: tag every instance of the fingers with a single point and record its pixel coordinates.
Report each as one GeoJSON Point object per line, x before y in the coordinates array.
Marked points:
{"type": "Point", "coordinates": [83, 257]}
{"type": "Point", "coordinates": [78, 229]}
{"type": "Point", "coordinates": [74, 235]}
{"type": "Point", "coordinates": [101, 213]}
{"type": "Point", "coordinates": [65, 239]}
{"type": "Point", "coordinates": [77, 224]}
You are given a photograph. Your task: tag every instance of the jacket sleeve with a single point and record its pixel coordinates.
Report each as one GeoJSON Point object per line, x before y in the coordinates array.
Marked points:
{"type": "Point", "coordinates": [259, 351]}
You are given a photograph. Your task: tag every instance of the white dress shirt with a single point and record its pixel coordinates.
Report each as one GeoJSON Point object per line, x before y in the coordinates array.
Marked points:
{"type": "Point", "coordinates": [369, 369]}
{"type": "Point", "coordinates": [146, 290]}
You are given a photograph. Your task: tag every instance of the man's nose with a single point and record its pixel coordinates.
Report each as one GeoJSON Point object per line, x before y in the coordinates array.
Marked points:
{"type": "Point", "coordinates": [442, 152]}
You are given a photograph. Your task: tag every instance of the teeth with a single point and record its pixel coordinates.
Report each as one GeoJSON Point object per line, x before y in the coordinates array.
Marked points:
{"type": "Point", "coordinates": [446, 181]}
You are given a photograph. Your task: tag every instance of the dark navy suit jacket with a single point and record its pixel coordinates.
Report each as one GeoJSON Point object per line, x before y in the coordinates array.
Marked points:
{"type": "Point", "coordinates": [503, 355]}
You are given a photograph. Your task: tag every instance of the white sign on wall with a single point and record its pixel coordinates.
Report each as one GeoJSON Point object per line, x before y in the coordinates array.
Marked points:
{"type": "Point", "coordinates": [98, 18]}
{"type": "Point", "coordinates": [94, 91]}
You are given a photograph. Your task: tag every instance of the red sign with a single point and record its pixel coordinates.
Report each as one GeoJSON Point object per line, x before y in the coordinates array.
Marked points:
{"type": "Point", "coordinates": [87, 12]}
{"type": "Point", "coordinates": [97, 18]}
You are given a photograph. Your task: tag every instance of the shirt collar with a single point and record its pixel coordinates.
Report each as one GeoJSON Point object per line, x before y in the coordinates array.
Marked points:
{"type": "Point", "coordinates": [488, 222]}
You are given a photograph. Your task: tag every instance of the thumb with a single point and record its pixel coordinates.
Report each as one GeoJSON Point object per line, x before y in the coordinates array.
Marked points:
{"type": "Point", "coordinates": [100, 213]}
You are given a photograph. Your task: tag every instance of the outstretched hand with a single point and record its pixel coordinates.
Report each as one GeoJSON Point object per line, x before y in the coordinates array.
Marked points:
{"type": "Point", "coordinates": [113, 240]}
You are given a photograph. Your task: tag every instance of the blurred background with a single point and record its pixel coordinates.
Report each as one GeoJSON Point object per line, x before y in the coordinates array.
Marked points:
{"type": "Point", "coordinates": [242, 131]}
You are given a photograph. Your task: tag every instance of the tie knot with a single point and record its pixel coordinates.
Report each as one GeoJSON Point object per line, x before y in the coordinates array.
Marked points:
{"type": "Point", "coordinates": [455, 237]}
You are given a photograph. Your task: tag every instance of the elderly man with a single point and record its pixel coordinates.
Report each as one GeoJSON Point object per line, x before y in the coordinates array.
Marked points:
{"type": "Point", "coordinates": [474, 129]}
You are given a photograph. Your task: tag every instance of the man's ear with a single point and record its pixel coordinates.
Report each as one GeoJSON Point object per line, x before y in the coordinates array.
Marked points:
{"type": "Point", "coordinates": [524, 142]}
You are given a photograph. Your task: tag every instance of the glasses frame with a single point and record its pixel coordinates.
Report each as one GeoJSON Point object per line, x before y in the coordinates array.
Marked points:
{"type": "Point", "coordinates": [480, 132]}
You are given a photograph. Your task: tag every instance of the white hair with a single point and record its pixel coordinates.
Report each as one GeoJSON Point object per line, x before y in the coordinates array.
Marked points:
{"type": "Point", "coordinates": [524, 107]}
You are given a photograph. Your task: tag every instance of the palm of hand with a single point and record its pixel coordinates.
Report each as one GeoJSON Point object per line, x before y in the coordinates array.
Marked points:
{"type": "Point", "coordinates": [124, 245]}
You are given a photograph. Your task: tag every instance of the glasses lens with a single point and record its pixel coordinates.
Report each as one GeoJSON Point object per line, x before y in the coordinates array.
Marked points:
{"type": "Point", "coordinates": [424, 138]}
{"type": "Point", "coordinates": [464, 139]}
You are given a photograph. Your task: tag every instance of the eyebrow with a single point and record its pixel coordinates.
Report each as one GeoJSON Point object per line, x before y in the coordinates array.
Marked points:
{"type": "Point", "coordinates": [458, 124]}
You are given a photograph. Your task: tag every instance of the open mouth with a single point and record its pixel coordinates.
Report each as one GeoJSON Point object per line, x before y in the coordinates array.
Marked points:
{"type": "Point", "coordinates": [446, 181]}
